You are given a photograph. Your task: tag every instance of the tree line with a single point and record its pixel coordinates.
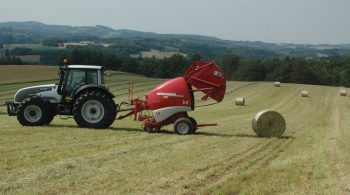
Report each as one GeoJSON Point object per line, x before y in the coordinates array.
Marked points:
{"type": "Point", "coordinates": [323, 71]}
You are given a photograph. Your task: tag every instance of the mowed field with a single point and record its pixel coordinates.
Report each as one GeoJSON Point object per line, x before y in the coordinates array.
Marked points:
{"type": "Point", "coordinates": [312, 157]}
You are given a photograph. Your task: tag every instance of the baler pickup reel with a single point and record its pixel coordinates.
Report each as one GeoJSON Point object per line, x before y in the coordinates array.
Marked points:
{"type": "Point", "coordinates": [170, 101]}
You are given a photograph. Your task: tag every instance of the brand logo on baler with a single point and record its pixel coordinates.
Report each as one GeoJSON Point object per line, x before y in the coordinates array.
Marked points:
{"type": "Point", "coordinates": [169, 94]}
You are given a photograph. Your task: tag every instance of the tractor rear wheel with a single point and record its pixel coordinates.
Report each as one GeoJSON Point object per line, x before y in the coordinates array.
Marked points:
{"type": "Point", "coordinates": [32, 112]}
{"type": "Point", "coordinates": [94, 109]}
{"type": "Point", "coordinates": [183, 126]}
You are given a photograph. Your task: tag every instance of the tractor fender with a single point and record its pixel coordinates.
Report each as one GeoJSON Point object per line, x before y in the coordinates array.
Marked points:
{"type": "Point", "coordinates": [85, 88]}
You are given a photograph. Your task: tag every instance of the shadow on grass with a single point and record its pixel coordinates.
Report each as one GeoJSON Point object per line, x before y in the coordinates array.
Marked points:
{"type": "Point", "coordinates": [124, 129]}
{"type": "Point", "coordinates": [256, 136]}
{"type": "Point", "coordinates": [171, 132]}
{"type": "Point", "coordinates": [59, 125]}
{"type": "Point", "coordinates": [198, 133]}
{"type": "Point", "coordinates": [201, 133]}
{"type": "Point", "coordinates": [109, 128]}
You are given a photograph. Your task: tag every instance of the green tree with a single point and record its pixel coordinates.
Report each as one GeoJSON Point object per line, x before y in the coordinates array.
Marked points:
{"type": "Point", "coordinates": [21, 51]}
{"type": "Point", "coordinates": [345, 77]}
{"type": "Point", "coordinates": [149, 67]}
{"type": "Point", "coordinates": [52, 41]}
{"type": "Point", "coordinates": [229, 63]}
{"type": "Point", "coordinates": [251, 71]}
{"type": "Point", "coordinates": [196, 57]}
{"type": "Point", "coordinates": [174, 66]}
{"type": "Point", "coordinates": [7, 52]}
{"type": "Point", "coordinates": [301, 72]}
{"type": "Point", "coordinates": [130, 65]}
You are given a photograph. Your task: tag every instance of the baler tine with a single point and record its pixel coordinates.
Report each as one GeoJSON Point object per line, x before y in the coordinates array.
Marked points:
{"type": "Point", "coordinates": [171, 100]}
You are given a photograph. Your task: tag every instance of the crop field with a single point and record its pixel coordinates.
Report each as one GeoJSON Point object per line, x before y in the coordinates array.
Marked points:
{"type": "Point", "coordinates": [30, 58]}
{"type": "Point", "coordinates": [311, 158]}
{"type": "Point", "coordinates": [159, 54]}
{"type": "Point", "coordinates": [20, 74]}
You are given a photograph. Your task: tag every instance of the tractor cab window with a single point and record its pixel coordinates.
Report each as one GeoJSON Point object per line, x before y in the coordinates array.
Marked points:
{"type": "Point", "coordinates": [75, 80]}
{"type": "Point", "coordinates": [91, 77]}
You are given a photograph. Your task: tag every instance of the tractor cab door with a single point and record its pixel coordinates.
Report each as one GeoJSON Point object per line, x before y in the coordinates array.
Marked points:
{"type": "Point", "coordinates": [77, 78]}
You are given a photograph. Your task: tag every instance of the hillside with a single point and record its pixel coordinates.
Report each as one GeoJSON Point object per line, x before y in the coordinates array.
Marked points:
{"type": "Point", "coordinates": [44, 30]}
{"type": "Point", "coordinates": [311, 158]}
{"type": "Point", "coordinates": [36, 32]}
{"type": "Point", "coordinates": [29, 73]}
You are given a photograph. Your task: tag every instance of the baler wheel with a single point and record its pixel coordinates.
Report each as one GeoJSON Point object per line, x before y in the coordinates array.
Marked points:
{"type": "Point", "coordinates": [150, 128]}
{"type": "Point", "coordinates": [194, 122]}
{"type": "Point", "coordinates": [183, 126]}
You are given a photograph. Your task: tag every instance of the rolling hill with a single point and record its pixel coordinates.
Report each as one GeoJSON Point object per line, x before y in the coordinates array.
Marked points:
{"type": "Point", "coordinates": [36, 32]}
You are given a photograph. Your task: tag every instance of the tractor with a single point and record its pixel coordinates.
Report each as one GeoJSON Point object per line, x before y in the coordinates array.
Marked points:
{"type": "Point", "coordinates": [81, 93]}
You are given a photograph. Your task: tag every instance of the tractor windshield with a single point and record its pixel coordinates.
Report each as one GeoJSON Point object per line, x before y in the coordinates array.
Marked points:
{"type": "Point", "coordinates": [78, 78]}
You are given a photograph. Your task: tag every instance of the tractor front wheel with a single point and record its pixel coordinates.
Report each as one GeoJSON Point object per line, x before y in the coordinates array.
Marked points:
{"type": "Point", "coordinates": [183, 126]}
{"type": "Point", "coordinates": [32, 112]}
{"type": "Point", "coordinates": [50, 116]}
{"type": "Point", "coordinates": [51, 113]}
{"type": "Point", "coordinates": [94, 109]}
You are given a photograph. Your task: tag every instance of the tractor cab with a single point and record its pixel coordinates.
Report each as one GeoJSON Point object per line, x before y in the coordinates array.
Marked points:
{"type": "Point", "coordinates": [74, 77]}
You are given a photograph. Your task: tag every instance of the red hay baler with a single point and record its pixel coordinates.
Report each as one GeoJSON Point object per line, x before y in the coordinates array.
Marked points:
{"type": "Point", "coordinates": [170, 101]}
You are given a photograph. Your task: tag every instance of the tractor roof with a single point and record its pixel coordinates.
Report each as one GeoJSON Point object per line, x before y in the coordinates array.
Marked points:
{"type": "Point", "coordinates": [84, 67]}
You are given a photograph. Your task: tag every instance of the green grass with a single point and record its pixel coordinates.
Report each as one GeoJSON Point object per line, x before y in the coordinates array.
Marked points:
{"type": "Point", "coordinates": [312, 157]}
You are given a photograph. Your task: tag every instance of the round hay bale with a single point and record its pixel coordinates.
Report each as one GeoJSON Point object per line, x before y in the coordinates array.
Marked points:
{"type": "Point", "coordinates": [269, 123]}
{"type": "Point", "coordinates": [304, 94]}
{"type": "Point", "coordinates": [277, 84]}
{"type": "Point", "coordinates": [343, 92]}
{"type": "Point", "coordinates": [240, 101]}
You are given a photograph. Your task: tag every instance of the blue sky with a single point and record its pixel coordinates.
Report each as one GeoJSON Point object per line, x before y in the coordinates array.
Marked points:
{"type": "Point", "coordinates": [278, 21]}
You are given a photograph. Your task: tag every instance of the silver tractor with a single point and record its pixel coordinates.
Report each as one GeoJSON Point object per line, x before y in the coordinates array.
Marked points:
{"type": "Point", "coordinates": [80, 93]}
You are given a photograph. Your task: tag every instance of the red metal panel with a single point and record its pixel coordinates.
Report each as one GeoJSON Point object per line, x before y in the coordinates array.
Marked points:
{"type": "Point", "coordinates": [174, 92]}
{"type": "Point", "coordinates": [208, 78]}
